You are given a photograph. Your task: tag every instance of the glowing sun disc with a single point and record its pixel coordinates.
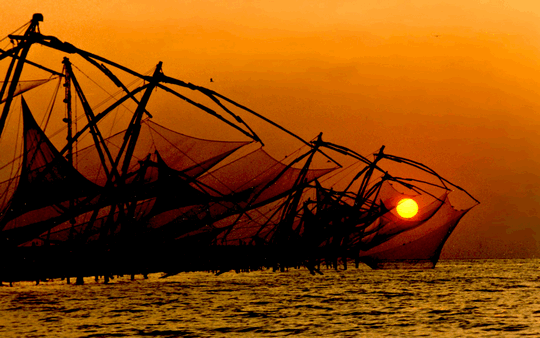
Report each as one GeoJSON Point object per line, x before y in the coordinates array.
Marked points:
{"type": "Point", "coordinates": [407, 208]}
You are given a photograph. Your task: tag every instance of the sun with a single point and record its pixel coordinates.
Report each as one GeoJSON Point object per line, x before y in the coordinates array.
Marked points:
{"type": "Point", "coordinates": [407, 208]}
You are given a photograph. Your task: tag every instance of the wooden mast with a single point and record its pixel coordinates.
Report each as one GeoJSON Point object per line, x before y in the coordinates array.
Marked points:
{"type": "Point", "coordinates": [68, 119]}
{"type": "Point", "coordinates": [101, 147]}
{"type": "Point", "coordinates": [25, 43]}
{"type": "Point", "coordinates": [134, 128]}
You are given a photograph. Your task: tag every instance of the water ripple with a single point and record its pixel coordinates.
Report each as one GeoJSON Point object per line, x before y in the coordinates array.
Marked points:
{"type": "Point", "coordinates": [457, 299]}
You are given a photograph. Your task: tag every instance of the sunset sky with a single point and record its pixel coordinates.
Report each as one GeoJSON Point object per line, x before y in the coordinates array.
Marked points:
{"type": "Point", "coordinates": [454, 84]}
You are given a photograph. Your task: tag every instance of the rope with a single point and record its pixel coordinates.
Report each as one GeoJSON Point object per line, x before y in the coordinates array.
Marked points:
{"type": "Point", "coordinates": [12, 179]}
{"type": "Point", "coordinates": [15, 31]}
{"type": "Point", "coordinates": [51, 105]}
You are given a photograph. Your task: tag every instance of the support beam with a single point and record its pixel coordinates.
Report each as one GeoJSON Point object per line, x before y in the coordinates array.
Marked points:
{"type": "Point", "coordinates": [26, 43]}
{"type": "Point", "coordinates": [135, 127]}
{"type": "Point", "coordinates": [37, 65]}
{"type": "Point", "coordinates": [101, 147]}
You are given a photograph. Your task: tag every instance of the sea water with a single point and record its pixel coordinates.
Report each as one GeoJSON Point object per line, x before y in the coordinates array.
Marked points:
{"type": "Point", "coordinates": [472, 298]}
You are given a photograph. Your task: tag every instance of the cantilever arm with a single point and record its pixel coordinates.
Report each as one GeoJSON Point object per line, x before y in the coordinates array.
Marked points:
{"type": "Point", "coordinates": [114, 79]}
{"type": "Point", "coordinates": [214, 95]}
{"type": "Point", "coordinates": [237, 118]}
{"type": "Point", "coordinates": [10, 52]}
{"type": "Point", "coordinates": [7, 53]}
{"type": "Point", "coordinates": [428, 170]}
{"type": "Point", "coordinates": [418, 165]}
{"type": "Point", "coordinates": [101, 115]}
{"type": "Point", "coordinates": [206, 109]}
{"type": "Point", "coordinates": [55, 43]}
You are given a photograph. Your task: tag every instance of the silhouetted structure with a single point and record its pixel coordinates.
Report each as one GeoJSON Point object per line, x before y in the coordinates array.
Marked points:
{"type": "Point", "coordinates": [149, 199]}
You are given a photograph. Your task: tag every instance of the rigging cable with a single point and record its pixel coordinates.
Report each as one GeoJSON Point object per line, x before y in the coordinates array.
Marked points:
{"type": "Point", "coordinates": [75, 119]}
{"type": "Point", "coordinates": [15, 31]}
{"type": "Point", "coordinates": [12, 179]}
{"type": "Point", "coordinates": [82, 116]}
{"type": "Point", "coordinates": [341, 172]}
{"type": "Point", "coordinates": [111, 96]}
{"type": "Point", "coordinates": [50, 108]}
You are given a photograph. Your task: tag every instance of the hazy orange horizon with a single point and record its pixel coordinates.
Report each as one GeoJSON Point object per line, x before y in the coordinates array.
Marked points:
{"type": "Point", "coordinates": [453, 84]}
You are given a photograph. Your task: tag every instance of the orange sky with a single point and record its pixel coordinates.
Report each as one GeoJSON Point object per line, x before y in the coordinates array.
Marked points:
{"type": "Point", "coordinates": [453, 84]}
